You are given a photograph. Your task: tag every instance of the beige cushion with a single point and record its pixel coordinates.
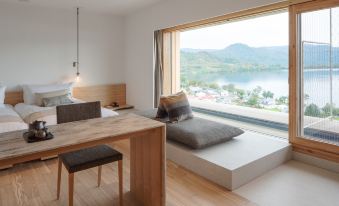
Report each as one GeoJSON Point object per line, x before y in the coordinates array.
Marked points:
{"type": "Point", "coordinates": [56, 101]}
{"type": "Point", "coordinates": [44, 95]}
{"type": "Point", "coordinates": [177, 107]}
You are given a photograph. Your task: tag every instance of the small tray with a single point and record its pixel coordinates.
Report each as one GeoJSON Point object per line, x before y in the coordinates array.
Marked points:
{"type": "Point", "coordinates": [31, 139]}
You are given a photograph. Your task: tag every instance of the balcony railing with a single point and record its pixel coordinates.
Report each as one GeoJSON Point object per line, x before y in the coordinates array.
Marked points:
{"type": "Point", "coordinates": [276, 120]}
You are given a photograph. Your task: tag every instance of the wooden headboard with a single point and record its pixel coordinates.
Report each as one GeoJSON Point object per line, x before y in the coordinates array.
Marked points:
{"type": "Point", "coordinates": [106, 94]}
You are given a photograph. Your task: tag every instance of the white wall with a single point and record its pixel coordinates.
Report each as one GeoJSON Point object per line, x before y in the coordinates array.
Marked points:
{"type": "Point", "coordinates": [139, 29]}
{"type": "Point", "coordinates": [38, 45]}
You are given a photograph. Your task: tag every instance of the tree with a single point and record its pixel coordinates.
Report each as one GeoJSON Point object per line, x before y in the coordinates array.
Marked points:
{"type": "Point", "coordinates": [257, 90]}
{"type": "Point", "coordinates": [195, 83]}
{"type": "Point", "coordinates": [184, 82]}
{"type": "Point", "coordinates": [335, 111]}
{"type": "Point", "coordinates": [282, 100]}
{"type": "Point", "coordinates": [192, 83]}
{"type": "Point", "coordinates": [253, 101]}
{"type": "Point", "coordinates": [240, 93]}
{"type": "Point", "coordinates": [230, 88]}
{"type": "Point", "coordinates": [268, 94]}
{"type": "Point", "coordinates": [327, 109]}
{"type": "Point", "coordinates": [312, 110]}
{"type": "Point", "coordinates": [214, 86]}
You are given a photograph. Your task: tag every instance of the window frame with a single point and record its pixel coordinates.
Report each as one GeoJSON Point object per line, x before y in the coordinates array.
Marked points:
{"type": "Point", "coordinates": [172, 55]}
{"type": "Point", "coordinates": [301, 144]}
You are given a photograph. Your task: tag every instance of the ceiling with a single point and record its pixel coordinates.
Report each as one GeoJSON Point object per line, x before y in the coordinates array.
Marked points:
{"type": "Point", "coordinates": [117, 7]}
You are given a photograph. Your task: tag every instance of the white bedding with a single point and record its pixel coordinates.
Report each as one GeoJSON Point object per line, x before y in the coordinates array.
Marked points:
{"type": "Point", "coordinates": [10, 120]}
{"type": "Point", "coordinates": [30, 113]}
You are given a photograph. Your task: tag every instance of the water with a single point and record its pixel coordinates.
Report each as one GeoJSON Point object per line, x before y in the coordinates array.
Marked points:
{"type": "Point", "coordinates": [316, 83]}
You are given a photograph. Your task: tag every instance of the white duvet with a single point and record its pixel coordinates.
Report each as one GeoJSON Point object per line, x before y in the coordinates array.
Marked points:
{"type": "Point", "coordinates": [10, 120]}
{"type": "Point", "coordinates": [31, 113]}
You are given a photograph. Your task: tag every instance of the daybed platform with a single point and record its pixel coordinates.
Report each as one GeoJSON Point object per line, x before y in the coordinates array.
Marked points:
{"type": "Point", "coordinates": [233, 163]}
{"type": "Point", "coordinates": [230, 162]}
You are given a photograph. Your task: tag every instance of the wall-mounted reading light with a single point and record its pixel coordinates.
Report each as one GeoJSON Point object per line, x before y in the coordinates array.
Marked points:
{"type": "Point", "coordinates": [76, 64]}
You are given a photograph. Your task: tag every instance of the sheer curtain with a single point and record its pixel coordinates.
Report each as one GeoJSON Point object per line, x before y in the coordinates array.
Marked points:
{"type": "Point", "coordinates": [158, 66]}
{"type": "Point", "coordinates": [319, 75]}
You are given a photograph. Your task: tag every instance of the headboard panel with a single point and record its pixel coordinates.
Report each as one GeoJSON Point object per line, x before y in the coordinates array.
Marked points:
{"type": "Point", "coordinates": [106, 94]}
{"type": "Point", "coordinates": [14, 98]}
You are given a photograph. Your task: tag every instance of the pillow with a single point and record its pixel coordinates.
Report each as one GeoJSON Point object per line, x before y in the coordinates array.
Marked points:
{"type": "Point", "coordinates": [196, 133]}
{"type": "Point", "coordinates": [31, 90]}
{"type": "Point", "coordinates": [177, 107]}
{"type": "Point", "coordinates": [2, 94]}
{"type": "Point", "coordinates": [56, 101]}
{"type": "Point", "coordinates": [161, 113]}
{"type": "Point", "coordinates": [199, 133]}
{"type": "Point", "coordinates": [41, 96]}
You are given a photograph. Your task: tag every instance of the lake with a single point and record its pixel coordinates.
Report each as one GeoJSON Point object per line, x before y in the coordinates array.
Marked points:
{"type": "Point", "coordinates": [316, 83]}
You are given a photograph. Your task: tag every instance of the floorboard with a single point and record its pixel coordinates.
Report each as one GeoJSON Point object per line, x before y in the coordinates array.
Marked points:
{"type": "Point", "coordinates": [34, 183]}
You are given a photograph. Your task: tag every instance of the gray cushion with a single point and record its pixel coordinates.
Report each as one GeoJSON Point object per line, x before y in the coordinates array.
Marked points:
{"type": "Point", "coordinates": [161, 113]}
{"type": "Point", "coordinates": [151, 113]}
{"type": "Point", "coordinates": [197, 133]}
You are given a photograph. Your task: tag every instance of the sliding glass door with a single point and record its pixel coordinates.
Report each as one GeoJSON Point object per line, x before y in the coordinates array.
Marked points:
{"type": "Point", "coordinates": [315, 75]}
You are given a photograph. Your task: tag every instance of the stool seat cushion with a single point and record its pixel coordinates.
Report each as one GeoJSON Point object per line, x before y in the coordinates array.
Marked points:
{"type": "Point", "coordinates": [89, 157]}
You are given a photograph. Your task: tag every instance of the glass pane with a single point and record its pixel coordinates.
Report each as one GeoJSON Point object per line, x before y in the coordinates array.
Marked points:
{"type": "Point", "coordinates": [239, 70]}
{"type": "Point", "coordinates": [319, 75]}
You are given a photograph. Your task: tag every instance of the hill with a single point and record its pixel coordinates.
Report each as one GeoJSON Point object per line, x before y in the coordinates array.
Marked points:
{"type": "Point", "coordinates": [241, 57]}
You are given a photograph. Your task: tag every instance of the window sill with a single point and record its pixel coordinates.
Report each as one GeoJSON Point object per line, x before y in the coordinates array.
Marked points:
{"type": "Point", "coordinates": [244, 125]}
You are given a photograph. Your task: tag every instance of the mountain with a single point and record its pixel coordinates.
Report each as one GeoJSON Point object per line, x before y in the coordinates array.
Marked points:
{"type": "Point", "coordinates": [241, 57]}
{"type": "Point", "coordinates": [262, 55]}
{"type": "Point", "coordinates": [319, 56]}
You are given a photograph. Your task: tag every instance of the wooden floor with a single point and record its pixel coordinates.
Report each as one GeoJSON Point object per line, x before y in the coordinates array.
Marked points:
{"type": "Point", "coordinates": [34, 183]}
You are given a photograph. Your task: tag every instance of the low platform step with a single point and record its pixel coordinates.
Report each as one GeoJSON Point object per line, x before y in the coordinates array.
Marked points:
{"type": "Point", "coordinates": [236, 162]}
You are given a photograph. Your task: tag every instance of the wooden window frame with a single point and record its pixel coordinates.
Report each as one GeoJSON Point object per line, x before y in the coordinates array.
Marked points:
{"type": "Point", "coordinates": [300, 144]}
{"type": "Point", "coordinates": [171, 59]}
{"type": "Point", "coordinates": [171, 53]}
{"type": "Point", "coordinates": [172, 68]}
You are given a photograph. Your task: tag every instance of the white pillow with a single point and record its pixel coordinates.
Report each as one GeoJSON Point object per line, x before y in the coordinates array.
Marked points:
{"type": "Point", "coordinates": [2, 94]}
{"type": "Point", "coordinates": [31, 90]}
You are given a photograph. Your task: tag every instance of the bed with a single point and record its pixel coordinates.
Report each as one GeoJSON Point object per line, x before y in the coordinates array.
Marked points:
{"type": "Point", "coordinates": [10, 120]}
{"type": "Point", "coordinates": [37, 98]}
{"type": "Point", "coordinates": [31, 113]}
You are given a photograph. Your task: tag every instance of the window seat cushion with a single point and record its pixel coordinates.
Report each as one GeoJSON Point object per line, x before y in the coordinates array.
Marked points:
{"type": "Point", "coordinates": [196, 133]}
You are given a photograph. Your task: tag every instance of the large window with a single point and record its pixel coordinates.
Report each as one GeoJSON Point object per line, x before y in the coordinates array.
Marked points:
{"type": "Point", "coordinates": [319, 74]}
{"type": "Point", "coordinates": [239, 68]}
{"type": "Point", "coordinates": [314, 60]}
{"type": "Point", "coordinates": [265, 66]}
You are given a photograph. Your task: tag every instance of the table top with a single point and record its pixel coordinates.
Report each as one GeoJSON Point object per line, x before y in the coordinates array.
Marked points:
{"type": "Point", "coordinates": [13, 145]}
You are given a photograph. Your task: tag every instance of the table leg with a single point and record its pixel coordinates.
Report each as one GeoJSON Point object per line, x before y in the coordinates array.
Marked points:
{"type": "Point", "coordinates": [148, 165]}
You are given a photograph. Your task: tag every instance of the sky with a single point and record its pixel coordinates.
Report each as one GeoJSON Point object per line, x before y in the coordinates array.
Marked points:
{"type": "Point", "coordinates": [261, 31]}
{"type": "Point", "coordinates": [316, 26]}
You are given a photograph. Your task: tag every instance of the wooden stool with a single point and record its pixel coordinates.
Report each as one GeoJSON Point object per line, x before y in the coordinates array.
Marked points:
{"type": "Point", "coordinates": [85, 159]}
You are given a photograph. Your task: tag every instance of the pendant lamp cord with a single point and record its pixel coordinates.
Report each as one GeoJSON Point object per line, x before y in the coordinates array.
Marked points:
{"type": "Point", "coordinates": [78, 73]}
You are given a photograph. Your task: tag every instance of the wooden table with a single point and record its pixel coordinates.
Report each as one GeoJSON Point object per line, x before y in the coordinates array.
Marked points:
{"type": "Point", "coordinates": [147, 141]}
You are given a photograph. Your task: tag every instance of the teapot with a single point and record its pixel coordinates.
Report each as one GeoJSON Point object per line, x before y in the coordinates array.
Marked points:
{"type": "Point", "coordinates": [38, 129]}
